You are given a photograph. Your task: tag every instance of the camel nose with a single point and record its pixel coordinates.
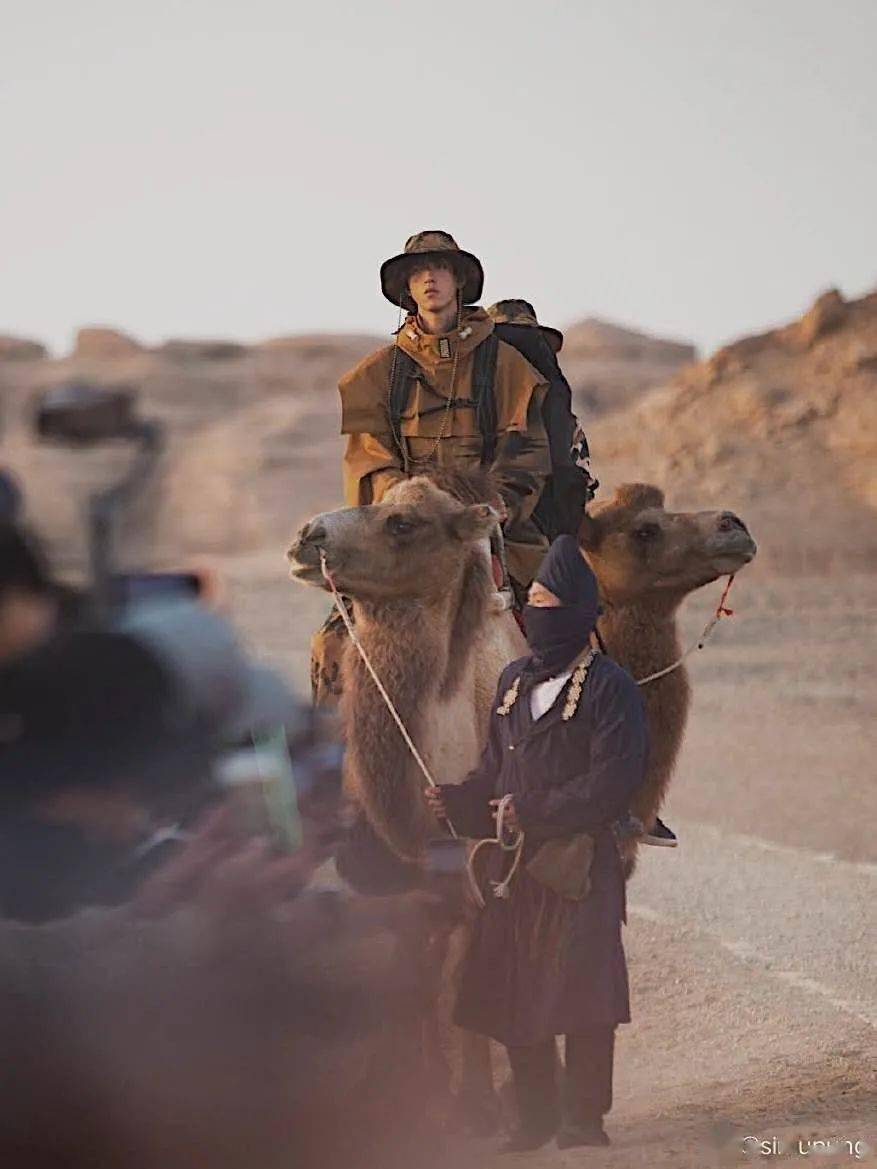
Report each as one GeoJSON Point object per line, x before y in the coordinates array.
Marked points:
{"type": "Point", "coordinates": [727, 522]}
{"type": "Point", "coordinates": [313, 533]}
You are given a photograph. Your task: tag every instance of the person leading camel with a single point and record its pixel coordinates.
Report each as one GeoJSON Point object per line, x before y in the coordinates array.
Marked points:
{"type": "Point", "coordinates": [566, 752]}
{"type": "Point", "coordinates": [446, 394]}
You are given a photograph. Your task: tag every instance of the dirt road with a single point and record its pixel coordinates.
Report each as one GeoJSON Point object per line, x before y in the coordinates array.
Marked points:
{"type": "Point", "coordinates": [753, 947]}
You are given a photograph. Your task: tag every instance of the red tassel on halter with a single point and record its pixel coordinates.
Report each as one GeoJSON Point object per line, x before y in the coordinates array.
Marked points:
{"type": "Point", "coordinates": [721, 611]}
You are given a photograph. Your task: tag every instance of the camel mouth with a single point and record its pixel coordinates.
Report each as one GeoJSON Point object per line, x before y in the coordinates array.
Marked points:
{"type": "Point", "coordinates": [307, 576]}
{"type": "Point", "coordinates": [727, 564]}
{"type": "Point", "coordinates": [303, 572]}
{"type": "Point", "coordinates": [733, 551]}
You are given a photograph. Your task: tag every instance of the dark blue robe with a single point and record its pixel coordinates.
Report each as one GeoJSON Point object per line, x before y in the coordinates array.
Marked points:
{"type": "Point", "coordinates": [541, 965]}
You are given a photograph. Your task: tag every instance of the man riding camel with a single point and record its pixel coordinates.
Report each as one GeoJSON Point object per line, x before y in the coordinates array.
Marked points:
{"type": "Point", "coordinates": [447, 394]}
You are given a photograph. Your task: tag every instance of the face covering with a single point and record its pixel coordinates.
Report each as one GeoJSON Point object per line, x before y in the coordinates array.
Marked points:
{"type": "Point", "coordinates": [558, 635]}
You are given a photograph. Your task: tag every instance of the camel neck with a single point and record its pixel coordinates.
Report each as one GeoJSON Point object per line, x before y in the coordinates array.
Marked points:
{"type": "Point", "coordinates": [401, 635]}
{"type": "Point", "coordinates": [442, 628]}
{"type": "Point", "coordinates": [639, 637]}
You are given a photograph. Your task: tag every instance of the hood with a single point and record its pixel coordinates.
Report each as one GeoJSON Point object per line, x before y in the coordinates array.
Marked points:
{"type": "Point", "coordinates": [432, 351]}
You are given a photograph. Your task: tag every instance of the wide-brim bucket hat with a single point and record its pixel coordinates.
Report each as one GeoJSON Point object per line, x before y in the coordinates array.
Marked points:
{"type": "Point", "coordinates": [521, 312]}
{"type": "Point", "coordinates": [439, 244]}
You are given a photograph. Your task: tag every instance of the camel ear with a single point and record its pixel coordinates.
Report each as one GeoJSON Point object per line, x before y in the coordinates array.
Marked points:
{"type": "Point", "coordinates": [474, 522]}
{"type": "Point", "coordinates": [589, 532]}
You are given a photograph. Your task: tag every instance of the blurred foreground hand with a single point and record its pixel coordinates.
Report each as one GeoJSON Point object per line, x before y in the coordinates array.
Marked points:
{"type": "Point", "coordinates": [224, 872]}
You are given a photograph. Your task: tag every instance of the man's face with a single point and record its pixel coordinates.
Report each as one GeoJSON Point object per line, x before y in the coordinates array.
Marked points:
{"type": "Point", "coordinates": [432, 286]}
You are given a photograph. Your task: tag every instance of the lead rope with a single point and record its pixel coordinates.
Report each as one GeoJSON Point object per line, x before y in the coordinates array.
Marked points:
{"type": "Point", "coordinates": [515, 845]}
{"type": "Point", "coordinates": [424, 460]}
{"type": "Point", "coordinates": [720, 612]}
{"type": "Point", "coordinates": [345, 616]}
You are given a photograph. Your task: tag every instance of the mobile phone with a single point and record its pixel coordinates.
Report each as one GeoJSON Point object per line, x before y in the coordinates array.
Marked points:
{"type": "Point", "coordinates": [261, 772]}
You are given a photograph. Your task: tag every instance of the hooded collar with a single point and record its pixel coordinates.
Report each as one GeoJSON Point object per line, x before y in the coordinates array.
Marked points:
{"type": "Point", "coordinates": [558, 635]}
{"type": "Point", "coordinates": [432, 350]}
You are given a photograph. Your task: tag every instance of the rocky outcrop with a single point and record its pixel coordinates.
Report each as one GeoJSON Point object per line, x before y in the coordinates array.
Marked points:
{"type": "Point", "coordinates": [610, 367]}
{"type": "Point", "coordinates": [602, 340]}
{"type": "Point", "coordinates": [105, 344]}
{"type": "Point", "coordinates": [312, 346]}
{"type": "Point", "coordinates": [21, 349]}
{"type": "Point", "coordinates": [784, 422]}
{"type": "Point", "coordinates": [189, 351]}
{"type": "Point", "coordinates": [828, 313]}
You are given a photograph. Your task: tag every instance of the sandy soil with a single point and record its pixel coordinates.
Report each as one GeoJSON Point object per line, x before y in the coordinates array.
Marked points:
{"type": "Point", "coordinates": [752, 947]}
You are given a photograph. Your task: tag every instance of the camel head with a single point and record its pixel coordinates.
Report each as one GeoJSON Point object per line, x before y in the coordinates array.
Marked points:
{"type": "Point", "coordinates": [639, 551]}
{"type": "Point", "coordinates": [416, 567]}
{"type": "Point", "coordinates": [410, 546]}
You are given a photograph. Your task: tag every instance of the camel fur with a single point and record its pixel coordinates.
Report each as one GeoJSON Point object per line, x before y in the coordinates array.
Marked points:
{"type": "Point", "coordinates": [647, 560]}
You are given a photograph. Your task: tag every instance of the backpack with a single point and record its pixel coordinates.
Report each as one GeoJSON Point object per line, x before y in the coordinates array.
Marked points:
{"type": "Point", "coordinates": [569, 486]}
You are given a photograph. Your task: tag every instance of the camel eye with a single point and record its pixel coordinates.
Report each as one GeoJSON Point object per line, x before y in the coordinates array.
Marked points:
{"type": "Point", "coordinates": [398, 525]}
{"type": "Point", "coordinates": [646, 532]}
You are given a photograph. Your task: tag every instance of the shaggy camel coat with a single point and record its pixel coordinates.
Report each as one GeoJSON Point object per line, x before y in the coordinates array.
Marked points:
{"type": "Point", "coordinates": [540, 965]}
{"type": "Point", "coordinates": [431, 435]}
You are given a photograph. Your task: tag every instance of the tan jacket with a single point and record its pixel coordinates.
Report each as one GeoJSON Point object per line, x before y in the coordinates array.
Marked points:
{"type": "Point", "coordinates": [433, 434]}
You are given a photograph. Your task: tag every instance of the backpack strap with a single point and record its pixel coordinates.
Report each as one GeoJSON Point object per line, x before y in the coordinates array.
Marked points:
{"type": "Point", "coordinates": [483, 377]}
{"type": "Point", "coordinates": [404, 369]}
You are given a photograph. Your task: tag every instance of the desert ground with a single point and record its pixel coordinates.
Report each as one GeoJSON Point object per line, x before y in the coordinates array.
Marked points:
{"type": "Point", "coordinates": [752, 947]}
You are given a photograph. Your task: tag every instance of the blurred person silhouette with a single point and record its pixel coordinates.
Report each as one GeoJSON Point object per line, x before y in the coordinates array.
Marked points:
{"type": "Point", "coordinates": [108, 739]}
{"type": "Point", "coordinates": [30, 602]}
{"type": "Point", "coordinates": [217, 1013]}
{"type": "Point", "coordinates": [10, 497]}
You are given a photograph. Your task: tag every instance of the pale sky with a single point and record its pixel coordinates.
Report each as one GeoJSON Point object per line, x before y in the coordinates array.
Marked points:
{"type": "Point", "coordinates": [695, 168]}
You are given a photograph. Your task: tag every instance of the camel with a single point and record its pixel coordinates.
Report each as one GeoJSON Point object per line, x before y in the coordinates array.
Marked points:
{"type": "Point", "coordinates": [647, 560]}
{"type": "Point", "coordinates": [417, 572]}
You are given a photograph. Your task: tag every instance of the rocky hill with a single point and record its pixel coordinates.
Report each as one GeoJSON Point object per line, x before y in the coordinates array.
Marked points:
{"type": "Point", "coordinates": [609, 367]}
{"type": "Point", "coordinates": [780, 426]}
{"type": "Point", "coordinates": [253, 440]}
{"type": "Point", "coordinates": [244, 424]}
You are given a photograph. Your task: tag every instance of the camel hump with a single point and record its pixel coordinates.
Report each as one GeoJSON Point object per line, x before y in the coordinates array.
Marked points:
{"type": "Point", "coordinates": [639, 495]}
{"type": "Point", "coordinates": [467, 485]}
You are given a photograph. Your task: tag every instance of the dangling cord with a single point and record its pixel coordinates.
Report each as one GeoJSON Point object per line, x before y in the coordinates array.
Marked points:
{"type": "Point", "coordinates": [515, 845]}
{"type": "Point", "coordinates": [397, 438]}
{"type": "Point", "coordinates": [449, 405]}
{"type": "Point", "coordinates": [382, 690]}
{"type": "Point", "coordinates": [721, 611]}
